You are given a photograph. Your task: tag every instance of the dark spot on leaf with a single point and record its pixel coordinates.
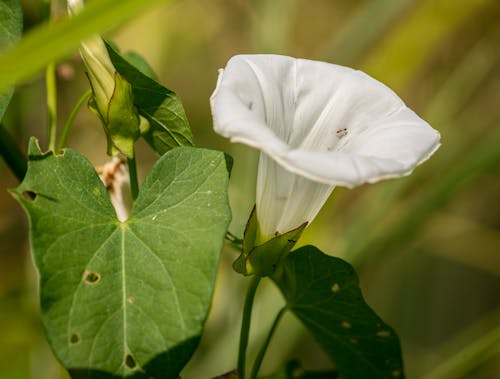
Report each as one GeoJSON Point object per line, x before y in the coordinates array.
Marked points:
{"type": "Point", "coordinates": [90, 277]}
{"type": "Point", "coordinates": [292, 241]}
{"type": "Point", "coordinates": [130, 361]}
{"type": "Point", "coordinates": [297, 372]}
{"type": "Point", "coordinates": [229, 163]}
{"type": "Point", "coordinates": [29, 195]}
{"type": "Point", "coordinates": [74, 338]}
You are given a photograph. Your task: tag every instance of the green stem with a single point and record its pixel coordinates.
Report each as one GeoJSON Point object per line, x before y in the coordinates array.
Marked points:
{"type": "Point", "coordinates": [245, 324]}
{"type": "Point", "coordinates": [67, 126]}
{"type": "Point", "coordinates": [12, 155]}
{"type": "Point", "coordinates": [50, 80]}
{"type": "Point", "coordinates": [232, 238]}
{"type": "Point", "coordinates": [134, 184]}
{"type": "Point", "coordinates": [235, 242]}
{"type": "Point", "coordinates": [263, 350]}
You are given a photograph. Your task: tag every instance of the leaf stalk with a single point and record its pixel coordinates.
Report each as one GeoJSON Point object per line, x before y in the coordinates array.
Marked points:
{"type": "Point", "coordinates": [134, 183]}
{"type": "Point", "coordinates": [71, 118]}
{"type": "Point", "coordinates": [245, 324]}
{"type": "Point", "coordinates": [263, 349]}
{"type": "Point", "coordinates": [50, 81]}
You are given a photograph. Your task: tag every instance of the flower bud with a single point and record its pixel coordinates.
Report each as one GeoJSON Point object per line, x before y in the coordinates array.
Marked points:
{"type": "Point", "coordinates": [101, 72]}
{"type": "Point", "coordinates": [113, 98]}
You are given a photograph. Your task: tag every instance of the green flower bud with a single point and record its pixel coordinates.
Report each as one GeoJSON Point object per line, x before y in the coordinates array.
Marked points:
{"type": "Point", "coordinates": [113, 98]}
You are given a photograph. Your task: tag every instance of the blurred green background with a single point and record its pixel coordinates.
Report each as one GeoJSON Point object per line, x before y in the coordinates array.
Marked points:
{"type": "Point", "coordinates": [427, 246]}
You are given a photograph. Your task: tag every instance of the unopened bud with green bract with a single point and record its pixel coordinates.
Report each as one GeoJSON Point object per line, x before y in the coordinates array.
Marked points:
{"type": "Point", "coordinates": [113, 100]}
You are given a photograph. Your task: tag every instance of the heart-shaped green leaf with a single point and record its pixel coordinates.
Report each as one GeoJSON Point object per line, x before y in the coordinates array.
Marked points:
{"type": "Point", "coordinates": [324, 293]}
{"type": "Point", "coordinates": [126, 299]}
{"type": "Point", "coordinates": [161, 106]}
{"type": "Point", "coordinates": [11, 27]}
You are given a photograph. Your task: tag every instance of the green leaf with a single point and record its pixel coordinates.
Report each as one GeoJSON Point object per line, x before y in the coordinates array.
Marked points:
{"type": "Point", "coordinates": [136, 60]}
{"type": "Point", "coordinates": [11, 23]}
{"type": "Point", "coordinates": [126, 299]}
{"type": "Point", "coordinates": [52, 41]}
{"type": "Point", "coordinates": [11, 28]}
{"type": "Point", "coordinates": [161, 106]}
{"type": "Point", "coordinates": [324, 293]}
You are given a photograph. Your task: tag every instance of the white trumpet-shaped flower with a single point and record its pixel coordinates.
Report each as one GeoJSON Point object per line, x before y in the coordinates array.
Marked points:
{"type": "Point", "coordinates": [318, 125]}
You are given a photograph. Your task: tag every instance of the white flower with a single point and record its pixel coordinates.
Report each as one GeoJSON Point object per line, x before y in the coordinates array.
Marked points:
{"type": "Point", "coordinates": [317, 125]}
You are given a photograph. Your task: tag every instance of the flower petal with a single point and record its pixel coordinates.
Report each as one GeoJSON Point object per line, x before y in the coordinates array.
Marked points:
{"type": "Point", "coordinates": [325, 122]}
{"type": "Point", "coordinates": [317, 125]}
{"type": "Point", "coordinates": [285, 200]}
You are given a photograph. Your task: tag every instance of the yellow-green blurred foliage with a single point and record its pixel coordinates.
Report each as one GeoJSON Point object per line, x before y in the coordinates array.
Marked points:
{"type": "Point", "coordinates": [427, 246]}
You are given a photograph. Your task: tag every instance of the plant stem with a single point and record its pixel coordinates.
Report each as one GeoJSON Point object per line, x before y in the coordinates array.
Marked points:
{"type": "Point", "coordinates": [262, 351]}
{"type": "Point", "coordinates": [50, 80]}
{"type": "Point", "coordinates": [134, 184]}
{"type": "Point", "coordinates": [235, 242]}
{"type": "Point", "coordinates": [12, 155]}
{"type": "Point", "coordinates": [232, 238]}
{"type": "Point", "coordinates": [245, 324]}
{"type": "Point", "coordinates": [71, 119]}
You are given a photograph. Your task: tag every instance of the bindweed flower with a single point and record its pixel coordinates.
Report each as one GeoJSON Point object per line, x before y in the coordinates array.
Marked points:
{"type": "Point", "coordinates": [318, 125]}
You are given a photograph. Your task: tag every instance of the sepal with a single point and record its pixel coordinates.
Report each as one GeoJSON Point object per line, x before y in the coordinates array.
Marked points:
{"type": "Point", "coordinates": [122, 119]}
{"type": "Point", "coordinates": [263, 259]}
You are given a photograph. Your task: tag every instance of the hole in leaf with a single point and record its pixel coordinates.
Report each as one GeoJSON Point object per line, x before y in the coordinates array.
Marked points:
{"type": "Point", "coordinates": [335, 288]}
{"type": "Point", "coordinates": [130, 361]}
{"type": "Point", "coordinates": [29, 195]}
{"type": "Point", "coordinates": [74, 338]}
{"type": "Point", "coordinates": [90, 277]}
